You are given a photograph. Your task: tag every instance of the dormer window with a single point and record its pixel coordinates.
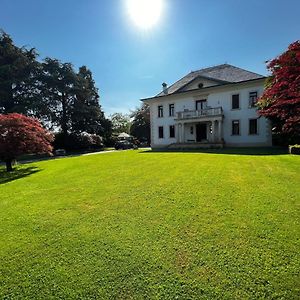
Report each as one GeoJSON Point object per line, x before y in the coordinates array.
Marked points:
{"type": "Point", "coordinates": [200, 85]}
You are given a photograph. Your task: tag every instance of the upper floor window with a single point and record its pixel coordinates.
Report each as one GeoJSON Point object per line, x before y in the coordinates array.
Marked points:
{"type": "Point", "coordinates": [253, 126]}
{"type": "Point", "coordinates": [201, 104]}
{"type": "Point", "coordinates": [235, 101]}
{"type": "Point", "coordinates": [171, 110]}
{"type": "Point", "coordinates": [172, 131]}
{"type": "Point", "coordinates": [160, 111]}
{"type": "Point", "coordinates": [235, 127]}
{"type": "Point", "coordinates": [160, 132]}
{"type": "Point", "coordinates": [252, 99]}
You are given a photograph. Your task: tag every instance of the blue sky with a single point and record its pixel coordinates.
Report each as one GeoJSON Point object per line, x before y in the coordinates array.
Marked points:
{"type": "Point", "coordinates": [129, 63]}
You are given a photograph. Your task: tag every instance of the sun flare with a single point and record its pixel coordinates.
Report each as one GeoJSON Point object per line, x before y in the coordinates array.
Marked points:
{"type": "Point", "coordinates": [145, 13]}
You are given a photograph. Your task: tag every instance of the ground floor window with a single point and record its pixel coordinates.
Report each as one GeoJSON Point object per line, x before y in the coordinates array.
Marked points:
{"type": "Point", "coordinates": [161, 132]}
{"type": "Point", "coordinates": [235, 127]}
{"type": "Point", "coordinates": [172, 131]}
{"type": "Point", "coordinates": [253, 126]}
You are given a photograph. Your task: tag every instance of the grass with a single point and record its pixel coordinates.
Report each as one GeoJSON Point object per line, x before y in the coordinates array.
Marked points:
{"type": "Point", "coordinates": [140, 225]}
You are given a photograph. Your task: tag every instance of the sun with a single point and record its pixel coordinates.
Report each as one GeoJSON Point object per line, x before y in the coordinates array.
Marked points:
{"type": "Point", "coordinates": [145, 13]}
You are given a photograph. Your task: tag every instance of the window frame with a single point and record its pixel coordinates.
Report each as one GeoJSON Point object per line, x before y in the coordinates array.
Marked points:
{"type": "Point", "coordinates": [173, 126]}
{"type": "Point", "coordinates": [239, 128]}
{"type": "Point", "coordinates": [160, 111]}
{"type": "Point", "coordinates": [239, 103]}
{"type": "Point", "coordinates": [161, 133]}
{"type": "Point", "coordinates": [171, 109]}
{"type": "Point", "coordinates": [252, 105]}
{"type": "Point", "coordinates": [249, 120]}
{"type": "Point", "coordinates": [202, 103]}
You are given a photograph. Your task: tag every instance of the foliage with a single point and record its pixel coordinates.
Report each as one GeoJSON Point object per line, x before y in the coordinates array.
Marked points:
{"type": "Point", "coordinates": [144, 225]}
{"type": "Point", "coordinates": [58, 90]}
{"type": "Point", "coordinates": [18, 77]}
{"type": "Point", "coordinates": [120, 123]}
{"type": "Point", "coordinates": [281, 99]}
{"type": "Point", "coordinates": [78, 141]}
{"type": "Point", "coordinates": [87, 115]}
{"type": "Point", "coordinates": [51, 91]}
{"type": "Point", "coordinates": [140, 125]}
{"type": "Point", "coordinates": [21, 135]}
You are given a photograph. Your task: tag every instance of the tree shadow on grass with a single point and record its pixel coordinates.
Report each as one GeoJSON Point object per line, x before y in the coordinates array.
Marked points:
{"type": "Point", "coordinates": [229, 151]}
{"type": "Point", "coordinates": [17, 173]}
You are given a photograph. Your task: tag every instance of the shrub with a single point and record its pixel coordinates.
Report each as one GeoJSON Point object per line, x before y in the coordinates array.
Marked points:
{"type": "Point", "coordinates": [78, 141]}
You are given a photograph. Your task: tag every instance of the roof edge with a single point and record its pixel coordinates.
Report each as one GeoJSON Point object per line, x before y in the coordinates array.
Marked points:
{"type": "Point", "coordinates": [206, 88]}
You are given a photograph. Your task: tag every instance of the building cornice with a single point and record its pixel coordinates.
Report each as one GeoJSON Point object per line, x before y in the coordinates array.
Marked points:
{"type": "Point", "coordinates": [206, 89]}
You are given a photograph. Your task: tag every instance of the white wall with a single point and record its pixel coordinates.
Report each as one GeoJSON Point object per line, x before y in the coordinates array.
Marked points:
{"type": "Point", "coordinates": [216, 97]}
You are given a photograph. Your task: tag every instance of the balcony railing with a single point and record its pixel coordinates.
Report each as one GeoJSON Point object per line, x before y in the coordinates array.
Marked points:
{"type": "Point", "coordinates": [201, 113]}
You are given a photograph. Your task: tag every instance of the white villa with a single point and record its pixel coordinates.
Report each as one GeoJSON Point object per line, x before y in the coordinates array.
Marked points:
{"type": "Point", "coordinates": [211, 107]}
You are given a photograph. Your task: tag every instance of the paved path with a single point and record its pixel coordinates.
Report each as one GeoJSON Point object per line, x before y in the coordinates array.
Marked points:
{"type": "Point", "coordinates": [28, 161]}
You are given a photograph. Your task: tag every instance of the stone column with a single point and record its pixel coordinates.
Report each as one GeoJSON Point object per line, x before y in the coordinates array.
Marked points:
{"type": "Point", "coordinates": [179, 133]}
{"type": "Point", "coordinates": [214, 131]}
{"type": "Point", "coordinates": [219, 131]}
{"type": "Point", "coordinates": [183, 132]}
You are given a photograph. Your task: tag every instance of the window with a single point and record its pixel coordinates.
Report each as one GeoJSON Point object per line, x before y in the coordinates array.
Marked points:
{"type": "Point", "coordinates": [253, 126]}
{"type": "Point", "coordinates": [161, 132]}
{"type": "Point", "coordinates": [252, 99]}
{"type": "Point", "coordinates": [171, 110]}
{"type": "Point", "coordinates": [235, 127]}
{"type": "Point", "coordinates": [201, 104]}
{"type": "Point", "coordinates": [172, 131]}
{"type": "Point", "coordinates": [200, 85]}
{"type": "Point", "coordinates": [160, 111]}
{"type": "Point", "coordinates": [235, 101]}
{"type": "Point", "coordinates": [192, 130]}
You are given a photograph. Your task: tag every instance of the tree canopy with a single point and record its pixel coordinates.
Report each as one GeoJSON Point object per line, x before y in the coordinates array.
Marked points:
{"type": "Point", "coordinates": [18, 77]}
{"type": "Point", "coordinates": [120, 123]}
{"type": "Point", "coordinates": [140, 125]}
{"type": "Point", "coordinates": [280, 101]}
{"type": "Point", "coordinates": [62, 98]}
{"type": "Point", "coordinates": [19, 135]}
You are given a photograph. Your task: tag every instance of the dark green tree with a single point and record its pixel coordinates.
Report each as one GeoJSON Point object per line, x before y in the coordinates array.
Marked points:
{"type": "Point", "coordinates": [87, 115]}
{"type": "Point", "coordinates": [140, 125]}
{"type": "Point", "coordinates": [19, 87]}
{"type": "Point", "coordinates": [58, 89]}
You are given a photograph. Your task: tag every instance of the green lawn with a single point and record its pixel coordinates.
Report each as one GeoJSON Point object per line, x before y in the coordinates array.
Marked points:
{"type": "Point", "coordinates": [140, 225]}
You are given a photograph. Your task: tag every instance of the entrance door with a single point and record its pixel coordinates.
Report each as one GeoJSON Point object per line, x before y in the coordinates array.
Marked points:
{"type": "Point", "coordinates": [201, 133]}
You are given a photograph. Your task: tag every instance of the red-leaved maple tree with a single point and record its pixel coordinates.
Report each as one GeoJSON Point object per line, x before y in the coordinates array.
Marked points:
{"type": "Point", "coordinates": [22, 135]}
{"type": "Point", "coordinates": [280, 101]}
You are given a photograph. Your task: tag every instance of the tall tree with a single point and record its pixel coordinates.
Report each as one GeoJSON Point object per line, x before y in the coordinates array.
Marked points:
{"type": "Point", "coordinates": [140, 125]}
{"type": "Point", "coordinates": [280, 101]}
{"type": "Point", "coordinates": [87, 115]}
{"type": "Point", "coordinates": [21, 135]}
{"type": "Point", "coordinates": [58, 89]}
{"type": "Point", "coordinates": [18, 72]}
{"type": "Point", "coordinates": [120, 123]}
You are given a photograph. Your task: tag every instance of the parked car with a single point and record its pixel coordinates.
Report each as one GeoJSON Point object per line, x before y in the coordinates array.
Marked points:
{"type": "Point", "coordinates": [60, 152]}
{"type": "Point", "coordinates": [124, 144]}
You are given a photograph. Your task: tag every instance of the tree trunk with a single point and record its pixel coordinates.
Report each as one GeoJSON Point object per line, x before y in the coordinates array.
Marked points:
{"type": "Point", "coordinates": [9, 165]}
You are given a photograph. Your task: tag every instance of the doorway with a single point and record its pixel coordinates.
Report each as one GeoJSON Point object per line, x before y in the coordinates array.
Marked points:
{"type": "Point", "coordinates": [201, 132]}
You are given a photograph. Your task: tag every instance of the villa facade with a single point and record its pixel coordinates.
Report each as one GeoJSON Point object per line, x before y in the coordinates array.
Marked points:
{"type": "Point", "coordinates": [212, 107]}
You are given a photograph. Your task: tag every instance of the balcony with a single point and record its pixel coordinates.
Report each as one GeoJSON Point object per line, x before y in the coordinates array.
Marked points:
{"type": "Point", "coordinates": [200, 114]}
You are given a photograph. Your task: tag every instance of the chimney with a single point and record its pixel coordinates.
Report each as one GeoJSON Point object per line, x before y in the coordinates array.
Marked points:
{"type": "Point", "coordinates": [165, 88]}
